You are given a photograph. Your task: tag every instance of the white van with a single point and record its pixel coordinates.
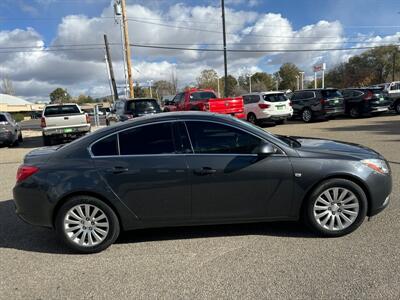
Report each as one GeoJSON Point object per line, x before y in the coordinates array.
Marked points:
{"type": "Point", "coordinates": [267, 106]}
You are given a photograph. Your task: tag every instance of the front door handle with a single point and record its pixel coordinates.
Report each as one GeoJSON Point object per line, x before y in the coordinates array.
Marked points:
{"type": "Point", "coordinates": [204, 171]}
{"type": "Point", "coordinates": [119, 170]}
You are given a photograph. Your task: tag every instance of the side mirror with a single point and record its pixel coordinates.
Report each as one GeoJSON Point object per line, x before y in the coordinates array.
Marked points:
{"type": "Point", "coordinates": [266, 149]}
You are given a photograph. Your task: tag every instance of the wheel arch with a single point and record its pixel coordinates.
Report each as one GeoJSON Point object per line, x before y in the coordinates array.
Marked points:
{"type": "Point", "coordinates": [349, 177]}
{"type": "Point", "coordinates": [68, 196]}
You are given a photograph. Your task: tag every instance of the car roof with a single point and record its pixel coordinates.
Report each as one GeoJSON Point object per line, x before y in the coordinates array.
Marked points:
{"type": "Point", "coordinates": [60, 104]}
{"type": "Point", "coordinates": [138, 99]}
{"type": "Point", "coordinates": [264, 93]}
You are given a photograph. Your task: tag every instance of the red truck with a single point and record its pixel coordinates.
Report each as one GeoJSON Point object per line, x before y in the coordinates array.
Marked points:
{"type": "Point", "coordinates": [206, 100]}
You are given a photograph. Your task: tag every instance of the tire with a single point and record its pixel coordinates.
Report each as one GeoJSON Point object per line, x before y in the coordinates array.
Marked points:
{"type": "Point", "coordinates": [47, 141]}
{"type": "Point", "coordinates": [318, 214]}
{"type": "Point", "coordinates": [306, 115]}
{"type": "Point", "coordinates": [251, 118]}
{"type": "Point", "coordinates": [107, 123]}
{"type": "Point", "coordinates": [81, 234]}
{"type": "Point", "coordinates": [20, 139]}
{"type": "Point", "coordinates": [280, 122]}
{"type": "Point", "coordinates": [354, 112]}
{"type": "Point", "coordinates": [397, 107]}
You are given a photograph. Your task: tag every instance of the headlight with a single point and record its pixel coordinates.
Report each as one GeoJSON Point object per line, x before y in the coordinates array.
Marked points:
{"type": "Point", "coordinates": [378, 165]}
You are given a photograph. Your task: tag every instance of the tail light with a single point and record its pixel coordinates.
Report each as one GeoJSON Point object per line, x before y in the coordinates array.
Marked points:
{"type": "Point", "coordinates": [43, 122]}
{"type": "Point", "coordinates": [263, 106]}
{"type": "Point", "coordinates": [368, 96]}
{"type": "Point", "coordinates": [323, 101]}
{"type": "Point", "coordinates": [25, 171]}
{"type": "Point", "coordinates": [206, 107]}
{"type": "Point", "coordinates": [87, 119]}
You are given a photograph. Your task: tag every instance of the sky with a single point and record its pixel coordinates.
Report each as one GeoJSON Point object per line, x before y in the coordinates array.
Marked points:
{"type": "Point", "coordinates": [45, 44]}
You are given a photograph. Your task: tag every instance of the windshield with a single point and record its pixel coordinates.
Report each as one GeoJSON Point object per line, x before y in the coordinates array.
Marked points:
{"type": "Point", "coordinates": [196, 96]}
{"type": "Point", "coordinates": [331, 94]}
{"type": "Point", "coordinates": [143, 106]}
{"type": "Point", "coordinates": [61, 110]}
{"type": "Point", "coordinates": [275, 97]}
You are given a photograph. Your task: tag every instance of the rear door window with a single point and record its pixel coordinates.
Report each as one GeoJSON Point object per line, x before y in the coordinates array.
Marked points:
{"type": "Point", "coordinates": [147, 140]}
{"type": "Point", "coordinates": [197, 96]}
{"type": "Point", "coordinates": [331, 94]}
{"type": "Point", "coordinates": [143, 106]}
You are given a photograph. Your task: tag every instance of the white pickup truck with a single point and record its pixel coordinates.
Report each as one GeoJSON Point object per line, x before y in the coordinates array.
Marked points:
{"type": "Point", "coordinates": [392, 91]}
{"type": "Point", "coordinates": [63, 121]}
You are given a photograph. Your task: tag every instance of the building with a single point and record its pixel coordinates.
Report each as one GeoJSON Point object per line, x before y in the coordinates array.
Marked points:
{"type": "Point", "coordinates": [9, 103]}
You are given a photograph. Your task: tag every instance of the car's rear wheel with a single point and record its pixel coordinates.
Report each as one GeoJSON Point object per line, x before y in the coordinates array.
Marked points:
{"type": "Point", "coordinates": [336, 207]}
{"type": "Point", "coordinates": [354, 112]}
{"type": "Point", "coordinates": [397, 106]}
{"type": "Point", "coordinates": [280, 122]}
{"type": "Point", "coordinates": [20, 138]}
{"type": "Point", "coordinates": [306, 115]}
{"type": "Point", "coordinates": [87, 224]}
{"type": "Point", "coordinates": [252, 118]}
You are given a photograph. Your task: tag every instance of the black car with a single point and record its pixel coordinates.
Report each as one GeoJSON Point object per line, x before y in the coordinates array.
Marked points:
{"type": "Point", "coordinates": [317, 103]}
{"type": "Point", "coordinates": [131, 108]}
{"type": "Point", "coordinates": [364, 101]}
{"type": "Point", "coordinates": [190, 168]}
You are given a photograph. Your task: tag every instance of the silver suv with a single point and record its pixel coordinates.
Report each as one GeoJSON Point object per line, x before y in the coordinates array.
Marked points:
{"type": "Point", "coordinates": [10, 132]}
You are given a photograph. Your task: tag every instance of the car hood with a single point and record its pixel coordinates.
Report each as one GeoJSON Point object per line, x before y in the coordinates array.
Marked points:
{"type": "Point", "coordinates": [313, 147]}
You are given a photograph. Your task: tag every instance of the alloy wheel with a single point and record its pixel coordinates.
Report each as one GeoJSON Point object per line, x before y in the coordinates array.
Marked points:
{"type": "Point", "coordinates": [307, 115]}
{"type": "Point", "coordinates": [252, 119]}
{"type": "Point", "coordinates": [86, 225]}
{"type": "Point", "coordinates": [336, 209]}
{"type": "Point", "coordinates": [354, 113]}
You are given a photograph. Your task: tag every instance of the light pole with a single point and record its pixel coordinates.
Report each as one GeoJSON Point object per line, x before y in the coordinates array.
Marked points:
{"type": "Point", "coordinates": [150, 82]}
{"type": "Point", "coordinates": [249, 75]}
{"type": "Point", "coordinates": [302, 80]}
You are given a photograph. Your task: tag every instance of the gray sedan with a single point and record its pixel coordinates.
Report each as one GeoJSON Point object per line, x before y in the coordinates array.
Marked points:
{"type": "Point", "coordinates": [193, 168]}
{"type": "Point", "coordinates": [10, 132]}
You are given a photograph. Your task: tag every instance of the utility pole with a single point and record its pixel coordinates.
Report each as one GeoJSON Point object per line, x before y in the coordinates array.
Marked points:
{"type": "Point", "coordinates": [150, 82]}
{"type": "Point", "coordinates": [302, 80]}
{"type": "Point", "coordinates": [394, 65]}
{"type": "Point", "coordinates": [127, 48]}
{"type": "Point", "coordinates": [297, 82]}
{"type": "Point", "coordinates": [110, 68]}
{"type": "Point", "coordinates": [224, 40]}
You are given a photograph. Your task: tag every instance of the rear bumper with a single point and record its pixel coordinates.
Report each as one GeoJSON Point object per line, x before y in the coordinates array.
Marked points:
{"type": "Point", "coordinates": [66, 130]}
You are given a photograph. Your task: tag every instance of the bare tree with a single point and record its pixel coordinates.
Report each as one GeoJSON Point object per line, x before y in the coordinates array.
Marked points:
{"type": "Point", "coordinates": [7, 86]}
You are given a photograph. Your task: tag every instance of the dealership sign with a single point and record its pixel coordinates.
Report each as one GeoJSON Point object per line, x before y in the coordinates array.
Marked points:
{"type": "Point", "coordinates": [320, 67]}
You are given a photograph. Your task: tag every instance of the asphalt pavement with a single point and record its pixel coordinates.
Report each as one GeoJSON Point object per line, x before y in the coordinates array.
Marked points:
{"type": "Point", "coordinates": [251, 261]}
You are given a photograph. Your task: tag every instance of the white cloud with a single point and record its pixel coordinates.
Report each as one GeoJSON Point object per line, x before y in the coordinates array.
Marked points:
{"type": "Point", "coordinates": [36, 74]}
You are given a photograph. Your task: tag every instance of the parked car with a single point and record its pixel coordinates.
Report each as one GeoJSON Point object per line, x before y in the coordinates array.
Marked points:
{"type": "Point", "coordinates": [392, 92]}
{"type": "Point", "coordinates": [63, 121]}
{"type": "Point", "coordinates": [10, 131]}
{"type": "Point", "coordinates": [317, 103]}
{"type": "Point", "coordinates": [206, 100]}
{"type": "Point", "coordinates": [132, 108]}
{"type": "Point", "coordinates": [267, 106]}
{"type": "Point", "coordinates": [191, 168]}
{"type": "Point", "coordinates": [364, 101]}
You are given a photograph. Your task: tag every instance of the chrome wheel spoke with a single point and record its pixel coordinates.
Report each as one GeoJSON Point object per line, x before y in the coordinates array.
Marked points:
{"type": "Point", "coordinates": [336, 208]}
{"type": "Point", "coordinates": [86, 225]}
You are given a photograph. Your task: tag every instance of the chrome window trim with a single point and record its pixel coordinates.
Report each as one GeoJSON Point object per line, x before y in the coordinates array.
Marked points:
{"type": "Point", "coordinates": [184, 120]}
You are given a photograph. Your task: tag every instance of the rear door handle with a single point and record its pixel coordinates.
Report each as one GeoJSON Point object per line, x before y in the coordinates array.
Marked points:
{"type": "Point", "coordinates": [204, 171]}
{"type": "Point", "coordinates": [119, 170]}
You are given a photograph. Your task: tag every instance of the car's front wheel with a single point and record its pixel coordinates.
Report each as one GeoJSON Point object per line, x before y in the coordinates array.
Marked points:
{"type": "Point", "coordinates": [307, 115]}
{"type": "Point", "coordinates": [87, 224]}
{"type": "Point", "coordinates": [336, 207]}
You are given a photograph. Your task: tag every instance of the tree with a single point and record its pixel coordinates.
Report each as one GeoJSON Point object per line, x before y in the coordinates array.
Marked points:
{"type": "Point", "coordinates": [139, 91]}
{"type": "Point", "coordinates": [7, 86]}
{"type": "Point", "coordinates": [288, 73]}
{"type": "Point", "coordinates": [231, 87]}
{"type": "Point", "coordinates": [59, 95]}
{"type": "Point", "coordinates": [163, 88]}
{"type": "Point", "coordinates": [208, 79]}
{"type": "Point", "coordinates": [82, 99]}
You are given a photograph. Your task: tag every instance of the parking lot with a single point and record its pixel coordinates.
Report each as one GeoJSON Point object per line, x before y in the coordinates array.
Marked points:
{"type": "Point", "coordinates": [273, 260]}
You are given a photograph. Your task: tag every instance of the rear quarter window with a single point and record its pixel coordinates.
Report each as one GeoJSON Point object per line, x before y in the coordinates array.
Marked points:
{"type": "Point", "coordinates": [106, 147]}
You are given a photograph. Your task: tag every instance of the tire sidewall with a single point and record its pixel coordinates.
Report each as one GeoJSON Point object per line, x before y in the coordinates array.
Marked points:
{"type": "Point", "coordinates": [302, 115]}
{"type": "Point", "coordinates": [252, 116]}
{"type": "Point", "coordinates": [331, 183]}
{"type": "Point", "coordinates": [114, 227]}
